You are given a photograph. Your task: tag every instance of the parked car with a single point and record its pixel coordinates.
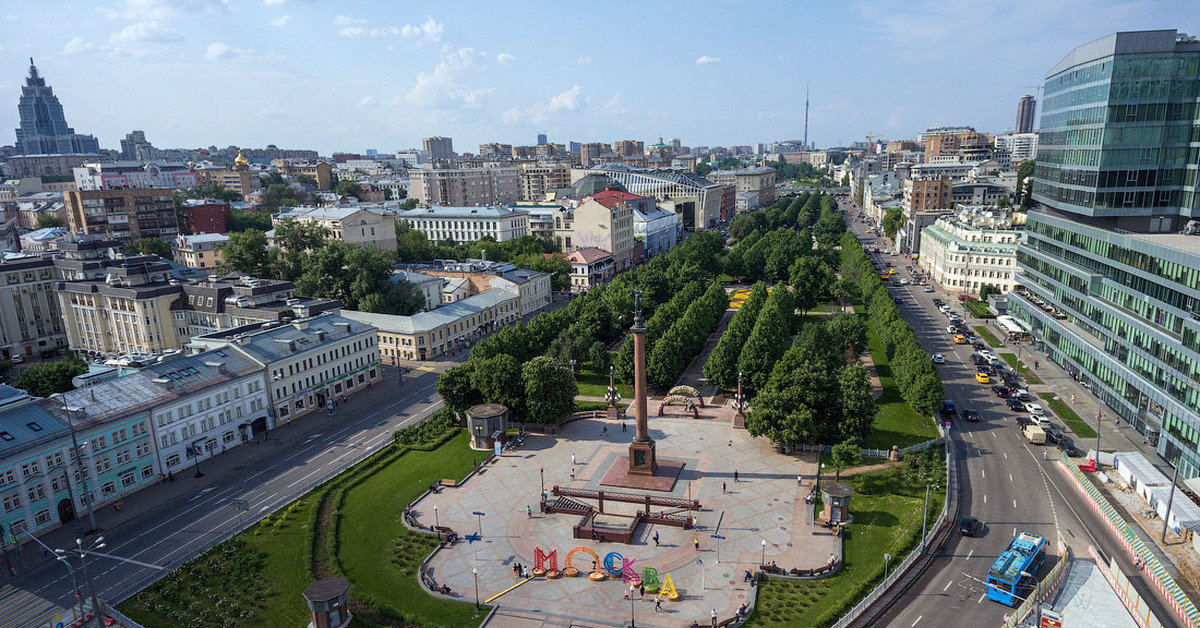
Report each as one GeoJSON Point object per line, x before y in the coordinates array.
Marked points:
{"type": "Point", "coordinates": [1023, 420]}
{"type": "Point", "coordinates": [953, 329]}
{"type": "Point", "coordinates": [979, 344]}
{"type": "Point", "coordinates": [939, 358]}
{"type": "Point", "coordinates": [937, 303]}
{"type": "Point", "coordinates": [1022, 394]}
{"type": "Point", "coordinates": [16, 358]}
{"type": "Point", "coordinates": [983, 378]}
{"type": "Point", "coordinates": [1015, 404]}
{"type": "Point", "coordinates": [928, 288]}
{"type": "Point", "coordinates": [1034, 408]}
{"type": "Point", "coordinates": [978, 359]}
{"type": "Point", "coordinates": [984, 368]}
{"type": "Point", "coordinates": [1001, 391]}
{"type": "Point", "coordinates": [970, 415]}
{"type": "Point", "coordinates": [1054, 434]}
{"type": "Point", "coordinates": [969, 526]}
{"type": "Point", "coordinates": [948, 407]}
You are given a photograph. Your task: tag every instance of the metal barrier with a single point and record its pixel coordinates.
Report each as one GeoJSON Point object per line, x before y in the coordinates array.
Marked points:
{"type": "Point", "coordinates": [1166, 585]}
{"type": "Point", "coordinates": [1044, 588]}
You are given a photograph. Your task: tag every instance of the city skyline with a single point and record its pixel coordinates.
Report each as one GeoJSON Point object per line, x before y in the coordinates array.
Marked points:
{"type": "Point", "coordinates": [371, 75]}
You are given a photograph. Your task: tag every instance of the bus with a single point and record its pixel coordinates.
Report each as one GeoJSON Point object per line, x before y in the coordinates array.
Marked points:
{"type": "Point", "coordinates": [1005, 582]}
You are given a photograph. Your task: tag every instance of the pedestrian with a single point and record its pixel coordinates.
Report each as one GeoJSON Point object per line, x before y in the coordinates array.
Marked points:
{"type": "Point", "coordinates": [656, 538]}
{"type": "Point", "coordinates": [714, 618]}
{"type": "Point", "coordinates": [799, 479]}
{"type": "Point", "coordinates": [623, 428]}
{"type": "Point", "coordinates": [572, 474]}
{"type": "Point", "coordinates": [1035, 364]}
{"type": "Point", "coordinates": [528, 512]}
{"type": "Point", "coordinates": [657, 604]}
{"type": "Point", "coordinates": [1072, 398]}
{"type": "Point", "coordinates": [572, 460]}
{"type": "Point", "coordinates": [627, 591]}
{"type": "Point", "coordinates": [516, 569]}
{"type": "Point", "coordinates": [641, 591]}
{"type": "Point", "coordinates": [696, 542]}
{"type": "Point", "coordinates": [1043, 454]}
{"type": "Point", "coordinates": [525, 571]}
{"type": "Point", "coordinates": [735, 476]}
{"type": "Point", "coordinates": [722, 487]}
{"type": "Point", "coordinates": [604, 431]}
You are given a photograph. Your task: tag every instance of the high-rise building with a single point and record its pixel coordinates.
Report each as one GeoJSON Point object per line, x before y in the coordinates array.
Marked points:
{"type": "Point", "coordinates": [541, 139]}
{"type": "Point", "coordinates": [122, 214]}
{"type": "Point", "coordinates": [465, 187]}
{"type": "Point", "coordinates": [1025, 110]}
{"type": "Point", "coordinates": [135, 148]}
{"type": "Point", "coordinates": [438, 147]}
{"type": "Point", "coordinates": [44, 129]}
{"type": "Point", "coordinates": [1108, 283]}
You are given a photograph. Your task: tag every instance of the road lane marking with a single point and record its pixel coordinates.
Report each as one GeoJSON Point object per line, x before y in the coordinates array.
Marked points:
{"type": "Point", "coordinates": [985, 498]}
{"type": "Point", "coordinates": [917, 621]}
{"type": "Point", "coordinates": [947, 585]}
{"type": "Point", "coordinates": [970, 554]}
{"type": "Point", "coordinates": [980, 601]}
{"type": "Point", "coordinates": [983, 472]}
{"type": "Point", "coordinates": [1010, 477]}
{"type": "Point", "coordinates": [1014, 503]}
{"type": "Point", "coordinates": [1006, 455]}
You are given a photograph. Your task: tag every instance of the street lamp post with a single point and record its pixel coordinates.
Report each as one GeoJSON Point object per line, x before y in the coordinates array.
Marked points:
{"type": "Point", "coordinates": [763, 559]}
{"type": "Point", "coordinates": [479, 518]}
{"type": "Point", "coordinates": [925, 519]}
{"type": "Point", "coordinates": [632, 621]}
{"type": "Point", "coordinates": [887, 558]}
{"type": "Point", "coordinates": [437, 526]}
{"type": "Point", "coordinates": [1037, 604]}
{"type": "Point", "coordinates": [475, 573]}
{"type": "Point", "coordinates": [87, 496]}
{"type": "Point", "coordinates": [196, 452]}
{"type": "Point", "coordinates": [572, 363]}
{"type": "Point", "coordinates": [70, 570]}
{"type": "Point", "coordinates": [611, 395]}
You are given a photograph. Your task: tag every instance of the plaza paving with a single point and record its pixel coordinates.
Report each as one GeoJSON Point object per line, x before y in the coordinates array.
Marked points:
{"type": "Point", "coordinates": [761, 506]}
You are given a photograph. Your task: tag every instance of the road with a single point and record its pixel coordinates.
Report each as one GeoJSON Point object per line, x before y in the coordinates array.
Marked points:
{"type": "Point", "coordinates": [196, 511]}
{"type": "Point", "coordinates": [1007, 485]}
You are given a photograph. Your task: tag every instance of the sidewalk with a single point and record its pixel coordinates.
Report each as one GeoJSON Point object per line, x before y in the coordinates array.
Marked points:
{"type": "Point", "coordinates": [216, 471]}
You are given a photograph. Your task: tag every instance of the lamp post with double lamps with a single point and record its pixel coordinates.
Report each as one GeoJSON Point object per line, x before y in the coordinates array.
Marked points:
{"type": "Point", "coordinates": [611, 395]}
{"type": "Point", "coordinates": [475, 574]}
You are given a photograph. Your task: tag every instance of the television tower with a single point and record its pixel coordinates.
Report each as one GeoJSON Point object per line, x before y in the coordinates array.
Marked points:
{"type": "Point", "coordinates": [805, 115]}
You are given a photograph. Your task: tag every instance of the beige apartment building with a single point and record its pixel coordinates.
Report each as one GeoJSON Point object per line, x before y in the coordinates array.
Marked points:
{"type": "Point", "coordinates": [29, 314]}
{"type": "Point", "coordinates": [605, 221]}
{"type": "Point", "coordinates": [123, 215]}
{"type": "Point", "coordinates": [244, 182]}
{"type": "Point", "coordinates": [348, 224]}
{"type": "Point", "coordinates": [539, 178]}
{"type": "Point", "coordinates": [760, 181]}
{"type": "Point", "coordinates": [320, 171]}
{"type": "Point", "coordinates": [443, 184]}
{"type": "Point", "coordinates": [126, 312]}
{"type": "Point", "coordinates": [202, 250]}
{"type": "Point", "coordinates": [976, 247]}
{"type": "Point", "coordinates": [453, 327]}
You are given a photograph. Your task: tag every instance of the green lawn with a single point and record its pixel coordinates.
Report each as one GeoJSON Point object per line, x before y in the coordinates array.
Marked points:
{"type": "Point", "coordinates": [596, 384]}
{"type": "Point", "coordinates": [979, 309]}
{"type": "Point", "coordinates": [896, 423]}
{"type": "Point", "coordinates": [254, 579]}
{"type": "Point", "coordinates": [1024, 371]}
{"type": "Point", "coordinates": [887, 519]}
{"type": "Point", "coordinates": [584, 406]}
{"type": "Point", "coordinates": [380, 556]}
{"type": "Point", "coordinates": [988, 336]}
{"type": "Point", "coordinates": [1077, 425]}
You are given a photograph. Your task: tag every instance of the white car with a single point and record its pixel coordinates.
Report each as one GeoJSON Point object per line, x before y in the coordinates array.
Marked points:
{"type": "Point", "coordinates": [1034, 409]}
{"type": "Point", "coordinates": [17, 358]}
{"type": "Point", "coordinates": [939, 359]}
{"type": "Point", "coordinates": [928, 288]}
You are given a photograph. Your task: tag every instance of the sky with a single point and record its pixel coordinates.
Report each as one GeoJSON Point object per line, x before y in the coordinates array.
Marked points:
{"type": "Point", "coordinates": [353, 75]}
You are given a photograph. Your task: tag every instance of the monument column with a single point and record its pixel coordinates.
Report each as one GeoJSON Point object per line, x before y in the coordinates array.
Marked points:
{"type": "Point", "coordinates": [642, 458]}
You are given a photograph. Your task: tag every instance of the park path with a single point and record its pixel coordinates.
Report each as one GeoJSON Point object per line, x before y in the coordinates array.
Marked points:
{"type": "Point", "coordinates": [693, 375]}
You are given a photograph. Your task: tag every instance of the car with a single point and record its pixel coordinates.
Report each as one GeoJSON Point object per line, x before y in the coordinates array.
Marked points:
{"type": "Point", "coordinates": [960, 339]}
{"type": "Point", "coordinates": [969, 526]}
{"type": "Point", "coordinates": [1015, 404]}
{"type": "Point", "coordinates": [1023, 420]}
{"type": "Point", "coordinates": [1034, 408]}
{"type": "Point", "coordinates": [1054, 434]}
{"type": "Point", "coordinates": [970, 415]}
{"type": "Point", "coordinates": [983, 378]}
{"type": "Point", "coordinates": [984, 368]}
{"type": "Point", "coordinates": [937, 303]}
{"type": "Point", "coordinates": [952, 329]}
{"type": "Point", "coordinates": [16, 358]}
{"type": "Point", "coordinates": [898, 300]}
{"type": "Point", "coordinates": [939, 358]}
{"type": "Point", "coordinates": [1001, 391]}
{"type": "Point", "coordinates": [977, 359]}
{"type": "Point", "coordinates": [948, 407]}
{"type": "Point", "coordinates": [928, 288]}
{"type": "Point", "coordinates": [979, 344]}
{"type": "Point", "coordinates": [1022, 394]}
{"type": "Point", "coordinates": [996, 363]}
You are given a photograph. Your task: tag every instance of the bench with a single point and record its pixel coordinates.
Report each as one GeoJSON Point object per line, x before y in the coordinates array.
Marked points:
{"type": "Point", "coordinates": [447, 482]}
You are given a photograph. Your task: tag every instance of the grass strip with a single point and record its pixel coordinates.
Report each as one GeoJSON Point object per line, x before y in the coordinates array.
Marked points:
{"type": "Point", "coordinates": [988, 336]}
{"type": "Point", "coordinates": [1077, 425]}
{"type": "Point", "coordinates": [895, 423]}
{"type": "Point", "coordinates": [1024, 371]}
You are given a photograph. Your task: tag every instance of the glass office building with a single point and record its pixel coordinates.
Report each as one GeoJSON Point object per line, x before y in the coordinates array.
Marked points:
{"type": "Point", "coordinates": [1109, 273]}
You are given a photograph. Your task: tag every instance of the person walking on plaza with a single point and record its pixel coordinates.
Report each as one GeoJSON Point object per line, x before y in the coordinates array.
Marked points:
{"type": "Point", "coordinates": [696, 542]}
{"type": "Point", "coordinates": [657, 604]}
{"type": "Point", "coordinates": [572, 460]}
{"type": "Point", "coordinates": [714, 618]}
{"type": "Point", "coordinates": [656, 538]}
{"type": "Point", "coordinates": [528, 512]}
{"type": "Point", "coordinates": [572, 474]}
{"type": "Point", "coordinates": [735, 476]}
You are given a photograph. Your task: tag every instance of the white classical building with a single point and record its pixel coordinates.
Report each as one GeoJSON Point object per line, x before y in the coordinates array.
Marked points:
{"type": "Point", "coordinates": [468, 224]}
{"type": "Point", "coordinates": [974, 247]}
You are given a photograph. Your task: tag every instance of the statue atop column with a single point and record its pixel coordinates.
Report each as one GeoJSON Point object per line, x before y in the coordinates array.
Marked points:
{"type": "Point", "coordinates": [642, 458]}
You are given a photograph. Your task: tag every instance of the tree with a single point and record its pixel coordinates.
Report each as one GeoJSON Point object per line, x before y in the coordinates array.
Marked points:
{"type": "Point", "coordinates": [600, 357]}
{"type": "Point", "coordinates": [47, 220]}
{"type": "Point", "coordinates": [307, 180]}
{"type": "Point", "coordinates": [847, 334]}
{"type": "Point", "coordinates": [346, 187]}
{"type": "Point", "coordinates": [858, 404]}
{"type": "Point", "coordinates": [764, 346]}
{"type": "Point", "coordinates": [292, 240]}
{"type": "Point", "coordinates": [721, 367]}
{"type": "Point", "coordinates": [412, 245]}
{"type": "Point", "coordinates": [811, 281]}
{"type": "Point", "coordinates": [703, 169]}
{"type": "Point", "coordinates": [1024, 189]}
{"type": "Point", "coordinates": [742, 226]}
{"type": "Point", "coordinates": [212, 190]}
{"type": "Point", "coordinates": [455, 387]}
{"type": "Point", "coordinates": [47, 378]}
{"type": "Point", "coordinates": [927, 394]}
{"type": "Point", "coordinates": [782, 417]}
{"type": "Point", "coordinates": [987, 290]}
{"type": "Point", "coordinates": [550, 390]}
{"type": "Point", "coordinates": [892, 221]}
{"type": "Point", "coordinates": [246, 252]}
{"type": "Point", "coordinates": [242, 219]}
{"type": "Point", "coordinates": [351, 274]}
{"type": "Point", "coordinates": [844, 455]}
{"type": "Point", "coordinates": [5, 367]}
{"type": "Point", "coordinates": [498, 380]}
{"type": "Point", "coordinates": [149, 246]}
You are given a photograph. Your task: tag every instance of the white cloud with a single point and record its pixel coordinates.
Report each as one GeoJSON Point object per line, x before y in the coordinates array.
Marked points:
{"type": "Point", "coordinates": [443, 85]}
{"type": "Point", "coordinates": [430, 30]}
{"type": "Point", "coordinates": [512, 116]}
{"type": "Point", "coordinates": [366, 101]}
{"type": "Point", "coordinates": [273, 2]}
{"type": "Point", "coordinates": [614, 106]}
{"type": "Point", "coordinates": [272, 112]}
{"type": "Point", "coordinates": [148, 10]}
{"type": "Point", "coordinates": [346, 20]}
{"type": "Point", "coordinates": [504, 58]}
{"type": "Point", "coordinates": [705, 60]}
{"type": "Point", "coordinates": [77, 45]}
{"type": "Point", "coordinates": [220, 50]}
{"type": "Point", "coordinates": [145, 32]}
{"type": "Point", "coordinates": [566, 101]}
{"type": "Point", "coordinates": [583, 60]}
{"type": "Point", "coordinates": [281, 21]}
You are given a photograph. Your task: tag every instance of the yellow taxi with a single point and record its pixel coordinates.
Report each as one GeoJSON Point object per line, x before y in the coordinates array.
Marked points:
{"type": "Point", "coordinates": [983, 378]}
{"type": "Point", "coordinates": [960, 339]}
{"type": "Point", "coordinates": [891, 271]}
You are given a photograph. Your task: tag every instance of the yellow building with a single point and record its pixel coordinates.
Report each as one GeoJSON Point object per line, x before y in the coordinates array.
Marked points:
{"type": "Point", "coordinates": [202, 250]}
{"type": "Point", "coordinates": [453, 327]}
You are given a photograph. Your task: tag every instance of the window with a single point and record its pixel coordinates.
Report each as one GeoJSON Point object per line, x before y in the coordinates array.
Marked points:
{"type": "Point", "coordinates": [147, 471]}
{"type": "Point", "coordinates": [29, 468]}
{"type": "Point", "coordinates": [119, 436]}
{"type": "Point", "coordinates": [173, 460]}
{"type": "Point", "coordinates": [228, 437]}
{"type": "Point", "coordinates": [11, 502]}
{"type": "Point", "coordinates": [32, 425]}
{"type": "Point", "coordinates": [100, 443]}
{"type": "Point", "coordinates": [42, 517]}
{"type": "Point", "coordinates": [137, 429]}
{"type": "Point", "coordinates": [142, 449]}
{"type": "Point", "coordinates": [108, 488]}
{"type": "Point", "coordinates": [54, 460]}
{"type": "Point", "coordinates": [36, 492]}
{"type": "Point", "coordinates": [128, 479]}
{"type": "Point", "coordinates": [58, 483]}
{"type": "Point", "coordinates": [103, 464]}
{"type": "Point", "coordinates": [123, 457]}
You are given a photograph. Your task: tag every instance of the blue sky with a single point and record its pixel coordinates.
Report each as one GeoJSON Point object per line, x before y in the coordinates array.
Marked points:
{"type": "Point", "coordinates": [346, 76]}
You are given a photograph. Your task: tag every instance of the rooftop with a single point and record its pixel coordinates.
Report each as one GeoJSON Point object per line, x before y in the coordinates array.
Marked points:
{"type": "Point", "coordinates": [588, 255]}
{"type": "Point", "coordinates": [427, 321]}
{"type": "Point", "coordinates": [276, 343]}
{"type": "Point", "coordinates": [26, 424]}
{"type": "Point", "coordinates": [462, 212]}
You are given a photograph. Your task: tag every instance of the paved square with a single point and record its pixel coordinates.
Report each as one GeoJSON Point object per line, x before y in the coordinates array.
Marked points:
{"type": "Point", "coordinates": [761, 505]}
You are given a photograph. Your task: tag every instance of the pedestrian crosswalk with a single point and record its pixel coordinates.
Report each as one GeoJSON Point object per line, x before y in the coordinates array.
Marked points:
{"type": "Point", "coordinates": [22, 609]}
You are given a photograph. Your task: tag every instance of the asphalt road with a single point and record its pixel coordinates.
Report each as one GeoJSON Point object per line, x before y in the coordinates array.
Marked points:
{"type": "Point", "coordinates": [310, 450]}
{"type": "Point", "coordinates": [1007, 485]}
